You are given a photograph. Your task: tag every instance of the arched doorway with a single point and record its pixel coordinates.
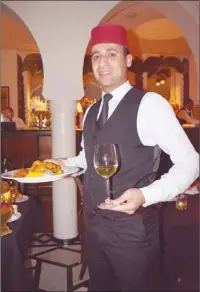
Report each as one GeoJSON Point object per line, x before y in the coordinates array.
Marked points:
{"type": "Point", "coordinates": [19, 46]}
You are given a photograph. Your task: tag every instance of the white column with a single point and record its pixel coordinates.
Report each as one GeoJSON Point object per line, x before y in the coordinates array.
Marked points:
{"type": "Point", "coordinates": [64, 191]}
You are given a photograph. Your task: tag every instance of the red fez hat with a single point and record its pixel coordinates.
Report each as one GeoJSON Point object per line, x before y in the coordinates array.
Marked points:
{"type": "Point", "coordinates": [109, 33]}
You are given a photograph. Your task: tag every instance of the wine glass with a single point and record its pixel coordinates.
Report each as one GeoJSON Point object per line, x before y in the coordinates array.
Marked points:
{"type": "Point", "coordinates": [181, 202]}
{"type": "Point", "coordinates": [106, 164]}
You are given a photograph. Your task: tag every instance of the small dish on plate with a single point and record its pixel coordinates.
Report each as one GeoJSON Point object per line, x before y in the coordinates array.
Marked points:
{"type": "Point", "coordinates": [23, 199]}
{"type": "Point", "coordinates": [14, 217]}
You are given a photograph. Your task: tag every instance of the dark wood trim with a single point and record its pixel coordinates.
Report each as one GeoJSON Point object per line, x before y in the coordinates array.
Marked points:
{"type": "Point", "coordinates": [20, 84]}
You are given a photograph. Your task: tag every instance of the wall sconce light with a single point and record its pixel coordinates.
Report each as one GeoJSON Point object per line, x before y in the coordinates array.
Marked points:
{"type": "Point", "coordinates": [157, 82]}
{"type": "Point", "coordinates": [162, 81]}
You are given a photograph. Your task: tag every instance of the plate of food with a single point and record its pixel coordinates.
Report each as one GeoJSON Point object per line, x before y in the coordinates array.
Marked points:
{"type": "Point", "coordinates": [21, 198]}
{"type": "Point", "coordinates": [40, 172]}
{"type": "Point", "coordinates": [14, 217]}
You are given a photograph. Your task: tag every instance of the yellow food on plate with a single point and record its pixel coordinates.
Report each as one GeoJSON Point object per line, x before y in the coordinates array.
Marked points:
{"type": "Point", "coordinates": [42, 167]}
{"type": "Point", "coordinates": [39, 169]}
{"type": "Point", "coordinates": [34, 174]}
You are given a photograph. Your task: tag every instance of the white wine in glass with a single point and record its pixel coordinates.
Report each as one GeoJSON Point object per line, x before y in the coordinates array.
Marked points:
{"type": "Point", "coordinates": [106, 164]}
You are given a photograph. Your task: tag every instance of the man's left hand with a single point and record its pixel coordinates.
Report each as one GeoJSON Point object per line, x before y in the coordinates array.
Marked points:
{"type": "Point", "coordinates": [128, 202]}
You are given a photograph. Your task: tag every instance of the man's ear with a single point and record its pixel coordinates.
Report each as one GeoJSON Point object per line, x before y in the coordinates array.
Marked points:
{"type": "Point", "coordinates": [129, 59]}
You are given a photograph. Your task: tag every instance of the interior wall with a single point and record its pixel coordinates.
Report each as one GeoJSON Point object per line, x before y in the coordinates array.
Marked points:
{"type": "Point", "coordinates": [9, 76]}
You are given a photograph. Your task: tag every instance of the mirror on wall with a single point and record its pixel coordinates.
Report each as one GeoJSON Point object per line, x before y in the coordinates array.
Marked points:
{"type": "Point", "coordinates": [160, 82]}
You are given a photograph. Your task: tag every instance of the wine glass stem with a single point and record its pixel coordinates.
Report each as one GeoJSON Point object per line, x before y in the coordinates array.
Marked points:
{"type": "Point", "coordinates": [108, 191]}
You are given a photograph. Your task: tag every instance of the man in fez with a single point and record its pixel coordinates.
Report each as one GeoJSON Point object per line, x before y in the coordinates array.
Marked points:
{"type": "Point", "coordinates": [122, 240]}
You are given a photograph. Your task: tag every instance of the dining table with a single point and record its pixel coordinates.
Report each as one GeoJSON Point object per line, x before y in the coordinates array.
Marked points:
{"type": "Point", "coordinates": [14, 246]}
{"type": "Point", "coordinates": [180, 245]}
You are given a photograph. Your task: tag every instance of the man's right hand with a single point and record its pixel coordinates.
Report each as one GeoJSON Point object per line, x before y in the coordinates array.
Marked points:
{"type": "Point", "coordinates": [56, 161]}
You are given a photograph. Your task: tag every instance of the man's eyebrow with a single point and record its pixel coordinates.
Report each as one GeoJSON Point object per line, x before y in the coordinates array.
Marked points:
{"type": "Point", "coordinates": [108, 50]}
{"type": "Point", "coordinates": [112, 49]}
{"type": "Point", "coordinates": [95, 52]}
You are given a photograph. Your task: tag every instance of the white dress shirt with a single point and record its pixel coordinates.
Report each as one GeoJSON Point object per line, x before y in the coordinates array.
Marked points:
{"type": "Point", "coordinates": [20, 125]}
{"type": "Point", "coordinates": [157, 125]}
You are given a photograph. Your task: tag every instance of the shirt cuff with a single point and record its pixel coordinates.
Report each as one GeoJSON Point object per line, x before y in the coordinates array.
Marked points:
{"type": "Point", "coordinates": [149, 196]}
{"type": "Point", "coordinates": [77, 163]}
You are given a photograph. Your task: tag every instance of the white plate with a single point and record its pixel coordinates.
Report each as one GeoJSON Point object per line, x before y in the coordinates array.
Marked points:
{"type": "Point", "coordinates": [67, 170]}
{"type": "Point", "coordinates": [15, 217]}
{"type": "Point", "coordinates": [189, 126]}
{"type": "Point", "coordinates": [25, 198]}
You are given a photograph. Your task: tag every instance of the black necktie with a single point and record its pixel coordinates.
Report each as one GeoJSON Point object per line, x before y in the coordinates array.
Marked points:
{"type": "Point", "coordinates": [104, 112]}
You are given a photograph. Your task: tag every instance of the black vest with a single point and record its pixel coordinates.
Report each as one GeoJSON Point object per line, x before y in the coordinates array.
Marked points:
{"type": "Point", "coordinates": [136, 161]}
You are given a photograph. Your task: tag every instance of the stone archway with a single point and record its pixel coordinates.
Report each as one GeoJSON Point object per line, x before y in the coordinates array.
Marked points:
{"type": "Point", "coordinates": [176, 11]}
{"type": "Point", "coordinates": [18, 43]}
{"type": "Point", "coordinates": [180, 13]}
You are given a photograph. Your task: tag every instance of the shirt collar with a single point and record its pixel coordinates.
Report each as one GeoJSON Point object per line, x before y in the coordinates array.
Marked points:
{"type": "Point", "coordinates": [120, 91]}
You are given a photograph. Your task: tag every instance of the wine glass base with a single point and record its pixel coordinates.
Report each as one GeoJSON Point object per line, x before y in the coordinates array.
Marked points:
{"type": "Point", "coordinates": [106, 204]}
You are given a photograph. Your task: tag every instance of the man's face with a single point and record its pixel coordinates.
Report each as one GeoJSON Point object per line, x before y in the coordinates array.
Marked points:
{"type": "Point", "coordinates": [8, 114]}
{"type": "Point", "coordinates": [109, 65]}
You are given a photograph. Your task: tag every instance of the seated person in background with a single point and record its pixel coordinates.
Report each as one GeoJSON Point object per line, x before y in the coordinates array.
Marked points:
{"type": "Point", "coordinates": [8, 116]}
{"type": "Point", "coordinates": [184, 115]}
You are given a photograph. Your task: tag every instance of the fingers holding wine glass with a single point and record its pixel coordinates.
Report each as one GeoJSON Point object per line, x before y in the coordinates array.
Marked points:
{"type": "Point", "coordinates": [129, 202]}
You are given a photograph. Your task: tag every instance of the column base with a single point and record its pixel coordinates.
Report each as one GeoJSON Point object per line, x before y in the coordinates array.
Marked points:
{"type": "Point", "coordinates": [69, 241]}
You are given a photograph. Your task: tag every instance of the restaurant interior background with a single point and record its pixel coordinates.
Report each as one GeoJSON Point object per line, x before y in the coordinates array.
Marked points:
{"type": "Point", "coordinates": [163, 39]}
{"type": "Point", "coordinates": [163, 62]}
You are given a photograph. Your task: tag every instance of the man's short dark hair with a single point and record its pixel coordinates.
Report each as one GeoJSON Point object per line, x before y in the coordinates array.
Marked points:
{"type": "Point", "coordinates": [126, 51]}
{"type": "Point", "coordinates": [8, 108]}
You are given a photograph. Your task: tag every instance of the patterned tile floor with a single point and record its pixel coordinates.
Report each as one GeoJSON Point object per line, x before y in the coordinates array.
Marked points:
{"type": "Point", "coordinates": [55, 267]}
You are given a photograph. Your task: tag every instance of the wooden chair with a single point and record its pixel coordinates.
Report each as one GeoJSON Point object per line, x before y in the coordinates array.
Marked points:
{"type": "Point", "coordinates": [81, 226]}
